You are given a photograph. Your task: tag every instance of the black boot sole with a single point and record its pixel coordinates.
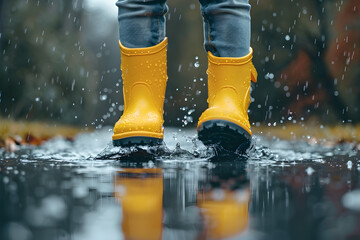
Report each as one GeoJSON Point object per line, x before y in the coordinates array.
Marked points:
{"type": "Point", "coordinates": [137, 141]}
{"type": "Point", "coordinates": [224, 135]}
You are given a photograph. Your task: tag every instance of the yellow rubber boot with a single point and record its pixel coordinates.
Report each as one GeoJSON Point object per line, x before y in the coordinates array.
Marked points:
{"type": "Point", "coordinates": [226, 123]}
{"type": "Point", "coordinates": [144, 74]}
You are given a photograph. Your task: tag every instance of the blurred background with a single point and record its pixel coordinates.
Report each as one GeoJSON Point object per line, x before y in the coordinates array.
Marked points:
{"type": "Point", "coordinates": [60, 62]}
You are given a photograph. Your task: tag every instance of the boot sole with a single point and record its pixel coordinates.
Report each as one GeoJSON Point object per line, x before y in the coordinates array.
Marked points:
{"type": "Point", "coordinates": [137, 141]}
{"type": "Point", "coordinates": [224, 134]}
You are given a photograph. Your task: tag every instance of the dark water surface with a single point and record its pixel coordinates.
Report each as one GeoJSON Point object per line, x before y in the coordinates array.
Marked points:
{"type": "Point", "coordinates": [279, 190]}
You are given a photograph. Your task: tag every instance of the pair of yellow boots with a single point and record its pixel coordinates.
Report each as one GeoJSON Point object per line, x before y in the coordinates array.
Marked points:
{"type": "Point", "coordinates": [144, 72]}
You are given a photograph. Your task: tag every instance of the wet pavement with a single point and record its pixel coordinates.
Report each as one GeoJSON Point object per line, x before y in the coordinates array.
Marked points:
{"type": "Point", "coordinates": [88, 190]}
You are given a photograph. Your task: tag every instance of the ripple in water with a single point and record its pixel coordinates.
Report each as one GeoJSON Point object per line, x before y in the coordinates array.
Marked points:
{"type": "Point", "coordinates": [183, 146]}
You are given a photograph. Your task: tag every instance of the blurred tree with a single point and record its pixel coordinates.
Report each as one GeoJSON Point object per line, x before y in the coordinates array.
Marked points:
{"type": "Point", "coordinates": [59, 61]}
{"type": "Point", "coordinates": [342, 57]}
{"type": "Point", "coordinates": [2, 7]}
{"type": "Point", "coordinates": [44, 68]}
{"type": "Point", "coordinates": [327, 73]}
{"type": "Point", "coordinates": [295, 48]}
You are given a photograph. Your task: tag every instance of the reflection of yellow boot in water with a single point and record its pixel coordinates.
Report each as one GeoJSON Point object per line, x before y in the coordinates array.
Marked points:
{"type": "Point", "coordinates": [144, 73]}
{"type": "Point", "coordinates": [140, 192]}
{"type": "Point", "coordinates": [226, 121]}
{"type": "Point", "coordinates": [226, 217]}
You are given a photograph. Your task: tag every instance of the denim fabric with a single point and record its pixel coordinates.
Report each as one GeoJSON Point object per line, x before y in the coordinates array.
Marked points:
{"type": "Point", "coordinates": [226, 25]}
{"type": "Point", "coordinates": [141, 22]}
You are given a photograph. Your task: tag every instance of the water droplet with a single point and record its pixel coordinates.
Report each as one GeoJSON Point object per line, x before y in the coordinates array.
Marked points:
{"type": "Point", "coordinates": [103, 97]}
{"type": "Point", "coordinates": [309, 171]}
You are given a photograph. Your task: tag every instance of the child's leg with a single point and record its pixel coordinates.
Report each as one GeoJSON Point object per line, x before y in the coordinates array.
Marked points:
{"type": "Point", "coordinates": [226, 27]}
{"type": "Point", "coordinates": [141, 22]}
{"type": "Point", "coordinates": [143, 49]}
{"type": "Point", "coordinates": [230, 71]}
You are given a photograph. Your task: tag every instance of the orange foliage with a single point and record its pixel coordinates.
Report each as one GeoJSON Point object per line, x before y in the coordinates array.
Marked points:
{"type": "Point", "coordinates": [299, 74]}
{"type": "Point", "coordinates": [299, 71]}
{"type": "Point", "coordinates": [344, 50]}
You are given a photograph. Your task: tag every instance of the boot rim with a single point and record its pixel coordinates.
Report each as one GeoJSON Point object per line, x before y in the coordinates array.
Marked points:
{"type": "Point", "coordinates": [143, 51]}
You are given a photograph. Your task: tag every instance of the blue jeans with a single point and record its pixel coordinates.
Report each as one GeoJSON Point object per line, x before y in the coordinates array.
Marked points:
{"type": "Point", "coordinates": [226, 25]}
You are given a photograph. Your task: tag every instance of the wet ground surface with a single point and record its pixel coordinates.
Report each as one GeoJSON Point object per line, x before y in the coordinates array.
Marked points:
{"type": "Point", "coordinates": [87, 190]}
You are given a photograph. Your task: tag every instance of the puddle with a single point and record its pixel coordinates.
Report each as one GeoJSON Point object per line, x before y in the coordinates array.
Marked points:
{"type": "Point", "coordinates": [81, 190]}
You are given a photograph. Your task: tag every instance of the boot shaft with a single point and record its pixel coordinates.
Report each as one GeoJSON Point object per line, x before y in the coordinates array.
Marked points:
{"type": "Point", "coordinates": [229, 80]}
{"type": "Point", "coordinates": [144, 74]}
